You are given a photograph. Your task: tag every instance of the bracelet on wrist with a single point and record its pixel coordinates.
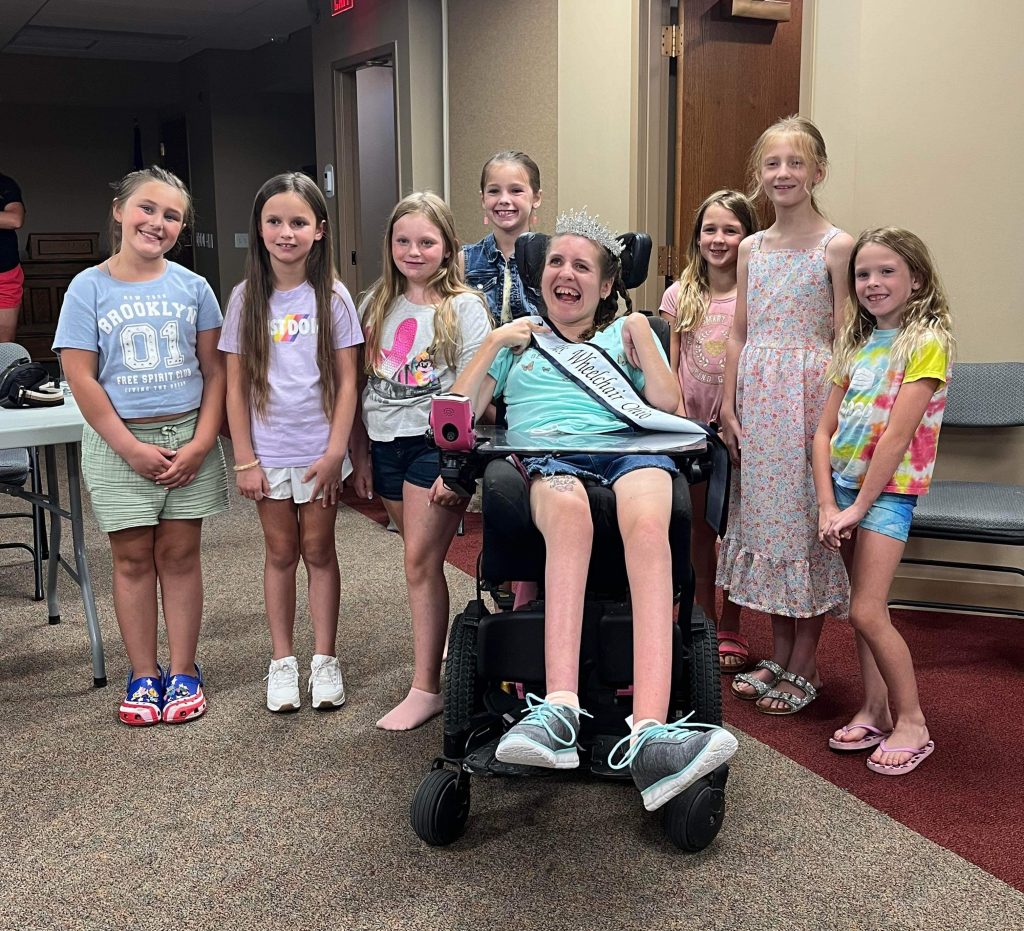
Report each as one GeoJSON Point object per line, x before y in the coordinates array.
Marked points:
{"type": "Point", "coordinates": [248, 465]}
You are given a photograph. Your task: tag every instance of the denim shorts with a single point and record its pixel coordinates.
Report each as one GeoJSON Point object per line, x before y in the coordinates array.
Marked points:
{"type": "Point", "coordinates": [603, 469]}
{"type": "Point", "coordinates": [403, 459]}
{"type": "Point", "coordinates": [889, 515]}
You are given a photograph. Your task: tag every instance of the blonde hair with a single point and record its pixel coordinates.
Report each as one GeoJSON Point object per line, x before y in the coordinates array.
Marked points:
{"type": "Point", "coordinates": [446, 282]}
{"type": "Point", "coordinates": [926, 316]}
{"type": "Point", "coordinates": [694, 285]}
{"type": "Point", "coordinates": [254, 323]}
{"type": "Point", "coordinates": [809, 143]}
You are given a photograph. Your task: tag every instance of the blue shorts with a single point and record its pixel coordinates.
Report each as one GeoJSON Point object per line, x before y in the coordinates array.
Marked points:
{"type": "Point", "coordinates": [403, 459]}
{"type": "Point", "coordinates": [603, 469]}
{"type": "Point", "coordinates": [889, 515]}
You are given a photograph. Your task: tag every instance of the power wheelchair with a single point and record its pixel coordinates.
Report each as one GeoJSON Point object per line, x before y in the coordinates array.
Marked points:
{"type": "Point", "coordinates": [494, 659]}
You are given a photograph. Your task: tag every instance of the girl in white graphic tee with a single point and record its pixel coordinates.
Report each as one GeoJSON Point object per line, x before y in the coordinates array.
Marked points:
{"type": "Point", "coordinates": [290, 332]}
{"type": "Point", "coordinates": [422, 327]}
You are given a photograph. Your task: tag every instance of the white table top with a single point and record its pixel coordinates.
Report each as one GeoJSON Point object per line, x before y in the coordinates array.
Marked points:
{"type": "Point", "coordinates": [41, 426]}
{"type": "Point", "coordinates": [499, 440]}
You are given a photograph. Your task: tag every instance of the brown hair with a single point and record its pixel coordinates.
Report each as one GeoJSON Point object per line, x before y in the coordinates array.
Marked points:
{"type": "Point", "coordinates": [131, 182]}
{"type": "Point", "coordinates": [254, 325]}
{"type": "Point", "coordinates": [516, 158]}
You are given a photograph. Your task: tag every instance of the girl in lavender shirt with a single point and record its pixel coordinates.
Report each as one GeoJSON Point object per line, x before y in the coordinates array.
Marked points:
{"type": "Point", "coordinates": [290, 333]}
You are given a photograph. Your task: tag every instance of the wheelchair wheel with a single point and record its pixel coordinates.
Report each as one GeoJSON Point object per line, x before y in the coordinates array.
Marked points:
{"type": "Point", "coordinates": [460, 685]}
{"type": "Point", "coordinates": [440, 807]}
{"type": "Point", "coordinates": [705, 676]}
{"type": "Point", "coordinates": [693, 819]}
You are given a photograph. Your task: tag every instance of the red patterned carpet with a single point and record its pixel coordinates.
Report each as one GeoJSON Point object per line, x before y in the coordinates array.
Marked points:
{"type": "Point", "coordinates": [967, 796]}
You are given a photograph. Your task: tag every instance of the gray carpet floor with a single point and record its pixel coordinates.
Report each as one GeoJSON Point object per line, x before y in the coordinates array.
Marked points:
{"type": "Point", "coordinates": [245, 820]}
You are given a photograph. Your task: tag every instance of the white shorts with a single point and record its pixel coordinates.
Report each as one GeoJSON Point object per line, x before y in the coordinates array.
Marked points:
{"type": "Point", "coordinates": [287, 484]}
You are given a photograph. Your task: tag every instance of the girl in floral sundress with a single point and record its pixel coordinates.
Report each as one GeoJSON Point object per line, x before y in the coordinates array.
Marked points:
{"type": "Point", "coordinates": [790, 301]}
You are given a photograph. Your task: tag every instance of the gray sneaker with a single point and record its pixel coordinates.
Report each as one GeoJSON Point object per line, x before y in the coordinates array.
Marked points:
{"type": "Point", "coordinates": [546, 736]}
{"type": "Point", "coordinates": [667, 759]}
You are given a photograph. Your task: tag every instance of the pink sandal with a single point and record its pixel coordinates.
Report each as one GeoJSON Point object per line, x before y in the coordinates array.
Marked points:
{"type": "Point", "coordinates": [733, 643]}
{"type": "Point", "coordinates": [901, 769]}
{"type": "Point", "coordinates": [873, 739]}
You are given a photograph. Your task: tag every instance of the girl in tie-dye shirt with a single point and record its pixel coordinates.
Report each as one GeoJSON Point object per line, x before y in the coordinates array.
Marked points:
{"type": "Point", "coordinates": [873, 455]}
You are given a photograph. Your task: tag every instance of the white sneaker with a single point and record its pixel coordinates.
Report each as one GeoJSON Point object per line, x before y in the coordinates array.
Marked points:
{"type": "Point", "coordinates": [325, 682]}
{"type": "Point", "coordinates": [283, 685]}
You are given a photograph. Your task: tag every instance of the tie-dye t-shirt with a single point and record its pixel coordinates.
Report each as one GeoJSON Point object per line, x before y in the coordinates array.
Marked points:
{"type": "Point", "coordinates": [871, 390]}
{"type": "Point", "coordinates": [295, 431]}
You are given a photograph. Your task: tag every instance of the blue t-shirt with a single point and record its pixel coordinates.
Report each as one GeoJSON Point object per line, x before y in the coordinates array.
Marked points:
{"type": "Point", "coordinates": [541, 399]}
{"type": "Point", "coordinates": [144, 333]}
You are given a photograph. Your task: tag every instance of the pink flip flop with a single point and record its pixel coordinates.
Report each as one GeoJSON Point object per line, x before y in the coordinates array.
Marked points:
{"type": "Point", "coordinates": [873, 739]}
{"type": "Point", "coordinates": [901, 769]}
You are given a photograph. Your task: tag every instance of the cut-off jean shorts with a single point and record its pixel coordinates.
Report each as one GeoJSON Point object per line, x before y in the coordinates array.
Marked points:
{"type": "Point", "coordinates": [122, 499]}
{"type": "Point", "coordinates": [604, 469]}
{"type": "Point", "coordinates": [889, 515]}
{"type": "Point", "coordinates": [403, 459]}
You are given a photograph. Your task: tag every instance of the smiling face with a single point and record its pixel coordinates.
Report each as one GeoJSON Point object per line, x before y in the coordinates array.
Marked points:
{"type": "Point", "coordinates": [288, 229]}
{"type": "Point", "coordinates": [151, 219]}
{"type": "Point", "coordinates": [571, 284]}
{"type": "Point", "coordinates": [507, 197]}
{"type": "Point", "coordinates": [417, 248]}
{"type": "Point", "coordinates": [721, 233]}
{"type": "Point", "coordinates": [787, 172]}
{"type": "Point", "coordinates": [884, 284]}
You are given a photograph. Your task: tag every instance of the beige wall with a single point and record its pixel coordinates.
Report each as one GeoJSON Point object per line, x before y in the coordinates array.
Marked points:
{"type": "Point", "coordinates": [502, 91]}
{"type": "Point", "coordinates": [919, 104]}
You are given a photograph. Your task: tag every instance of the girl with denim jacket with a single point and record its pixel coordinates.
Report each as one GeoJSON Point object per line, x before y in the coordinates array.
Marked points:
{"type": "Point", "coordinates": [510, 195]}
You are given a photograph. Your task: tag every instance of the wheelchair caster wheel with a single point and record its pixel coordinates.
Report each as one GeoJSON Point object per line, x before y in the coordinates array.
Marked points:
{"type": "Point", "coordinates": [440, 807]}
{"type": "Point", "coordinates": [694, 818]}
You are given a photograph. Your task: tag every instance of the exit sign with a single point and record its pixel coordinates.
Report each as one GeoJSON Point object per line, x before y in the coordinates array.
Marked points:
{"type": "Point", "coordinates": [340, 6]}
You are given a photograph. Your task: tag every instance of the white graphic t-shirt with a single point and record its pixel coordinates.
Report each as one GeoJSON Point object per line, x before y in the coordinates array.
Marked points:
{"type": "Point", "coordinates": [407, 374]}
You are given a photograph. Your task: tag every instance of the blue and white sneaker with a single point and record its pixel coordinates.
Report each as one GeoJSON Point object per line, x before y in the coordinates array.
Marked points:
{"type": "Point", "coordinates": [143, 700]}
{"type": "Point", "coordinates": [183, 697]}
{"type": "Point", "coordinates": [666, 759]}
{"type": "Point", "coordinates": [546, 736]}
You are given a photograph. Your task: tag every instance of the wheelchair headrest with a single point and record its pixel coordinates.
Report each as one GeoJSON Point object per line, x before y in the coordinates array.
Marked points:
{"type": "Point", "coordinates": [636, 257]}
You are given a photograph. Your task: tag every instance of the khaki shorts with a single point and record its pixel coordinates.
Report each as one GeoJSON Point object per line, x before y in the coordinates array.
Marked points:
{"type": "Point", "coordinates": [121, 498]}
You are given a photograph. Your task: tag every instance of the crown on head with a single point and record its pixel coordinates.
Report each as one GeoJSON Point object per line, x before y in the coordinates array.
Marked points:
{"type": "Point", "coordinates": [581, 223]}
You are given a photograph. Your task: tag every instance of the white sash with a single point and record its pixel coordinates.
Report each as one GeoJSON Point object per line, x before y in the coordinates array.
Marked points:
{"type": "Point", "coordinates": [599, 375]}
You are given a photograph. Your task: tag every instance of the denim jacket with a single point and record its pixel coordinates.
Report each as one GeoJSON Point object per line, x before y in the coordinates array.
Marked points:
{"type": "Point", "coordinates": [485, 271]}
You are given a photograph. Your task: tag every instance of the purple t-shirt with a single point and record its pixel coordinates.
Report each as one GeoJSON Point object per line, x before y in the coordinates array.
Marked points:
{"type": "Point", "coordinates": [295, 431]}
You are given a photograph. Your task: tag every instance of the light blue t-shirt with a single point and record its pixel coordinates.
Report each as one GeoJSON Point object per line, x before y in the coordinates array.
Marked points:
{"type": "Point", "coordinates": [541, 399]}
{"type": "Point", "coordinates": [144, 333]}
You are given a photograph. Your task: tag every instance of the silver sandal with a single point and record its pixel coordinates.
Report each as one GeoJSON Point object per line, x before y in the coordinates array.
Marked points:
{"type": "Point", "coordinates": [760, 687]}
{"type": "Point", "coordinates": [794, 703]}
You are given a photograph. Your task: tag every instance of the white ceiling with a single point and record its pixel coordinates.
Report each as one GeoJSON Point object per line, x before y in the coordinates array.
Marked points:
{"type": "Point", "coordinates": [151, 30]}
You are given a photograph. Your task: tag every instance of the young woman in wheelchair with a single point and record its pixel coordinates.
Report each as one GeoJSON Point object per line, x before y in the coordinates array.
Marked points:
{"type": "Point", "coordinates": [580, 284]}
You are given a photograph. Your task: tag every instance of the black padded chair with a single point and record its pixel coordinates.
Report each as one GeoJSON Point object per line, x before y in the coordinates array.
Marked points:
{"type": "Point", "coordinates": [983, 396]}
{"type": "Point", "coordinates": [18, 468]}
{"type": "Point", "coordinates": [488, 652]}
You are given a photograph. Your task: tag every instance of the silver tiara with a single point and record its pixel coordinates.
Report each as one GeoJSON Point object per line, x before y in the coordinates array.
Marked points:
{"type": "Point", "coordinates": [581, 223]}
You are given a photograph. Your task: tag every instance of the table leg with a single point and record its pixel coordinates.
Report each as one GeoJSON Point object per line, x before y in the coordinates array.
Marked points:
{"type": "Point", "coordinates": [53, 561]}
{"type": "Point", "coordinates": [99, 674]}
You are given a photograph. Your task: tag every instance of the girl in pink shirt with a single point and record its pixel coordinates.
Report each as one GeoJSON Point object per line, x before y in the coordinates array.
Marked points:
{"type": "Point", "coordinates": [700, 307]}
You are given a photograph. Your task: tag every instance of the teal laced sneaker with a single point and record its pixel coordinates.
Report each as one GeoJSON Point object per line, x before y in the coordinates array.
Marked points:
{"type": "Point", "coordinates": [666, 759]}
{"type": "Point", "coordinates": [546, 736]}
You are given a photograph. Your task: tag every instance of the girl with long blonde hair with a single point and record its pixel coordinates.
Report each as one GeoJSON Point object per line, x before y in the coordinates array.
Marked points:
{"type": "Point", "coordinates": [422, 326]}
{"type": "Point", "coordinates": [700, 306]}
{"type": "Point", "coordinates": [874, 452]}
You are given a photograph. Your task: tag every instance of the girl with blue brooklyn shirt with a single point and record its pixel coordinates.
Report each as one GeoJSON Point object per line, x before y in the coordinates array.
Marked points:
{"type": "Point", "coordinates": [138, 341]}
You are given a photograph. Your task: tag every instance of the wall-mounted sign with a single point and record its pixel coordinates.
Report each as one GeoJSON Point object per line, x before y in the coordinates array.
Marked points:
{"type": "Point", "coordinates": [340, 6]}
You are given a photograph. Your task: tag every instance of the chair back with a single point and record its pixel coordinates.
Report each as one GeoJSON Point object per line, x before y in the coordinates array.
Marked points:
{"type": "Point", "coordinates": [12, 352]}
{"type": "Point", "coordinates": [635, 257]}
{"type": "Point", "coordinates": [985, 394]}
